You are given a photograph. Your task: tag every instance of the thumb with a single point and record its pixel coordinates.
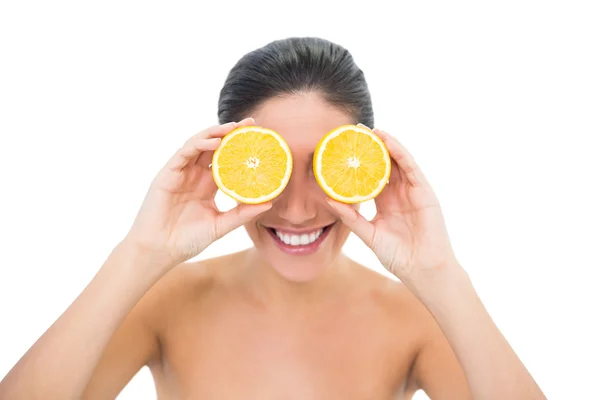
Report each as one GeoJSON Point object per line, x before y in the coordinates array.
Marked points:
{"type": "Point", "coordinates": [238, 216]}
{"type": "Point", "coordinates": [354, 220]}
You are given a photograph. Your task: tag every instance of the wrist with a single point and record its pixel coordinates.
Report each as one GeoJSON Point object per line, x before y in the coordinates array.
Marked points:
{"type": "Point", "coordinates": [448, 279]}
{"type": "Point", "coordinates": [142, 258]}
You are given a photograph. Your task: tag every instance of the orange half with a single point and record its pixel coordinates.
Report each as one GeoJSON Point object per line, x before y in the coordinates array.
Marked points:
{"type": "Point", "coordinates": [252, 164]}
{"type": "Point", "coordinates": [351, 164]}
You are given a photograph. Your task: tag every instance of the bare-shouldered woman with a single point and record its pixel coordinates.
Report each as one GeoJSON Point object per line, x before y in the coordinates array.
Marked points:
{"type": "Point", "coordinates": [291, 317]}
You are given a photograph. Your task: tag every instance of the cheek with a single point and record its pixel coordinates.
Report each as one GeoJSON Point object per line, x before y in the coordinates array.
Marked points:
{"type": "Point", "coordinates": [252, 227]}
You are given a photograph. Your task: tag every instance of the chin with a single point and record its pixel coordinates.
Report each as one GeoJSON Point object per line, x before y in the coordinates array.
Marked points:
{"type": "Point", "coordinates": [299, 255]}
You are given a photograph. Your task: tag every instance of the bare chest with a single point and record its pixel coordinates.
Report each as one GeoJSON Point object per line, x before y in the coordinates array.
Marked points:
{"type": "Point", "coordinates": [247, 354]}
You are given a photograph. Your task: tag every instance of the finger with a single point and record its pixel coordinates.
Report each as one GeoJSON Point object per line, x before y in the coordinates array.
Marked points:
{"type": "Point", "coordinates": [204, 183]}
{"type": "Point", "coordinates": [222, 130]}
{"type": "Point", "coordinates": [191, 150]}
{"type": "Point", "coordinates": [215, 131]}
{"type": "Point", "coordinates": [403, 158]}
{"type": "Point", "coordinates": [247, 122]}
{"type": "Point", "coordinates": [354, 220]}
{"type": "Point", "coordinates": [206, 140]}
{"type": "Point", "coordinates": [238, 216]}
{"type": "Point", "coordinates": [204, 160]}
{"type": "Point", "coordinates": [219, 131]}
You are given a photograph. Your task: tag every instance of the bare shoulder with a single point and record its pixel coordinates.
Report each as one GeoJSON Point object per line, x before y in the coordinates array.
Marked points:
{"type": "Point", "coordinates": [392, 296]}
{"type": "Point", "coordinates": [184, 285]}
{"type": "Point", "coordinates": [400, 310]}
{"type": "Point", "coordinates": [433, 364]}
{"type": "Point", "coordinates": [403, 322]}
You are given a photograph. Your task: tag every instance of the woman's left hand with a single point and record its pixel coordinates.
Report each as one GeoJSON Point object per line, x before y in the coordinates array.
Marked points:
{"type": "Point", "coordinates": [408, 234]}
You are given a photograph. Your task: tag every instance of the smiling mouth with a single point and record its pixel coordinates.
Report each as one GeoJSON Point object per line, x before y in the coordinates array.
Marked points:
{"type": "Point", "coordinates": [298, 240]}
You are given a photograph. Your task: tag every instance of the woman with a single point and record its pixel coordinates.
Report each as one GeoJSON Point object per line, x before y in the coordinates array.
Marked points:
{"type": "Point", "coordinates": [267, 322]}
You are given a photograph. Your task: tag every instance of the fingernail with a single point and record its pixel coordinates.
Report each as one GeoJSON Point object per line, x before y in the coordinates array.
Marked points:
{"type": "Point", "coordinates": [380, 132]}
{"type": "Point", "coordinates": [266, 207]}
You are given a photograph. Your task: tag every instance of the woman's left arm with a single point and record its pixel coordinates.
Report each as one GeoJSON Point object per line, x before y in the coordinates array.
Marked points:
{"type": "Point", "coordinates": [491, 367]}
{"type": "Point", "coordinates": [409, 236]}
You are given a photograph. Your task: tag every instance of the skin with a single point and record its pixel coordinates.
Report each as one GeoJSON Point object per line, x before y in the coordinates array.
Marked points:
{"type": "Point", "coordinates": [265, 324]}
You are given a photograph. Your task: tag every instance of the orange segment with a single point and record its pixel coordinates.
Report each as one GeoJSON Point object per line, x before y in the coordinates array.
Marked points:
{"type": "Point", "coordinates": [252, 165]}
{"type": "Point", "coordinates": [351, 164]}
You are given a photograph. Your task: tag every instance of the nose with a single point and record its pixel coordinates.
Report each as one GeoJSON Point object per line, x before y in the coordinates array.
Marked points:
{"type": "Point", "coordinates": [297, 204]}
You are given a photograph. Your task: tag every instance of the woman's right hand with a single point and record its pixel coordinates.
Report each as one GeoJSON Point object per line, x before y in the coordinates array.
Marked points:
{"type": "Point", "coordinates": [179, 218]}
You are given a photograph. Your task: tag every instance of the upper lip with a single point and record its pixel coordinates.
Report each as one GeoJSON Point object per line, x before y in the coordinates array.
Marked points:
{"type": "Point", "coordinates": [293, 231]}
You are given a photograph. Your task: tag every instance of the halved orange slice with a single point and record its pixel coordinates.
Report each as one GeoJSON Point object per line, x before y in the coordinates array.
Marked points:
{"type": "Point", "coordinates": [252, 164]}
{"type": "Point", "coordinates": [351, 164]}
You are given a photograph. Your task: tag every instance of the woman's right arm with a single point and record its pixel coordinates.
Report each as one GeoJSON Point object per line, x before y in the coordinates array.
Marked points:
{"type": "Point", "coordinates": [61, 363]}
{"type": "Point", "coordinates": [102, 340]}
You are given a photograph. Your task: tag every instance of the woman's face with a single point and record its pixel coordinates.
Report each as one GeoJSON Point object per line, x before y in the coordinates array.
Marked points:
{"type": "Point", "coordinates": [299, 236]}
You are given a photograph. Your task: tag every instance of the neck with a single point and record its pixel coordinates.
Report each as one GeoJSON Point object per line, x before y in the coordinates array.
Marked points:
{"type": "Point", "coordinates": [267, 285]}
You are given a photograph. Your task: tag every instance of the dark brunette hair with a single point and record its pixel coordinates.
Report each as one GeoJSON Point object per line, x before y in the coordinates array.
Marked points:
{"type": "Point", "coordinates": [296, 65]}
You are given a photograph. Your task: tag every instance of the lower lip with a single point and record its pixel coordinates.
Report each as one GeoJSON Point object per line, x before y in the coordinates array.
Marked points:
{"type": "Point", "coordinates": [301, 250]}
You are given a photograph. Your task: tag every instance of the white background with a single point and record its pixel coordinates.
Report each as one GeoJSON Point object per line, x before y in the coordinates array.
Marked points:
{"type": "Point", "coordinates": [499, 102]}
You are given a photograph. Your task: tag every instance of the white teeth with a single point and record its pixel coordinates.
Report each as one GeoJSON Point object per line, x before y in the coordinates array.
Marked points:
{"type": "Point", "coordinates": [299, 240]}
{"type": "Point", "coordinates": [304, 239]}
